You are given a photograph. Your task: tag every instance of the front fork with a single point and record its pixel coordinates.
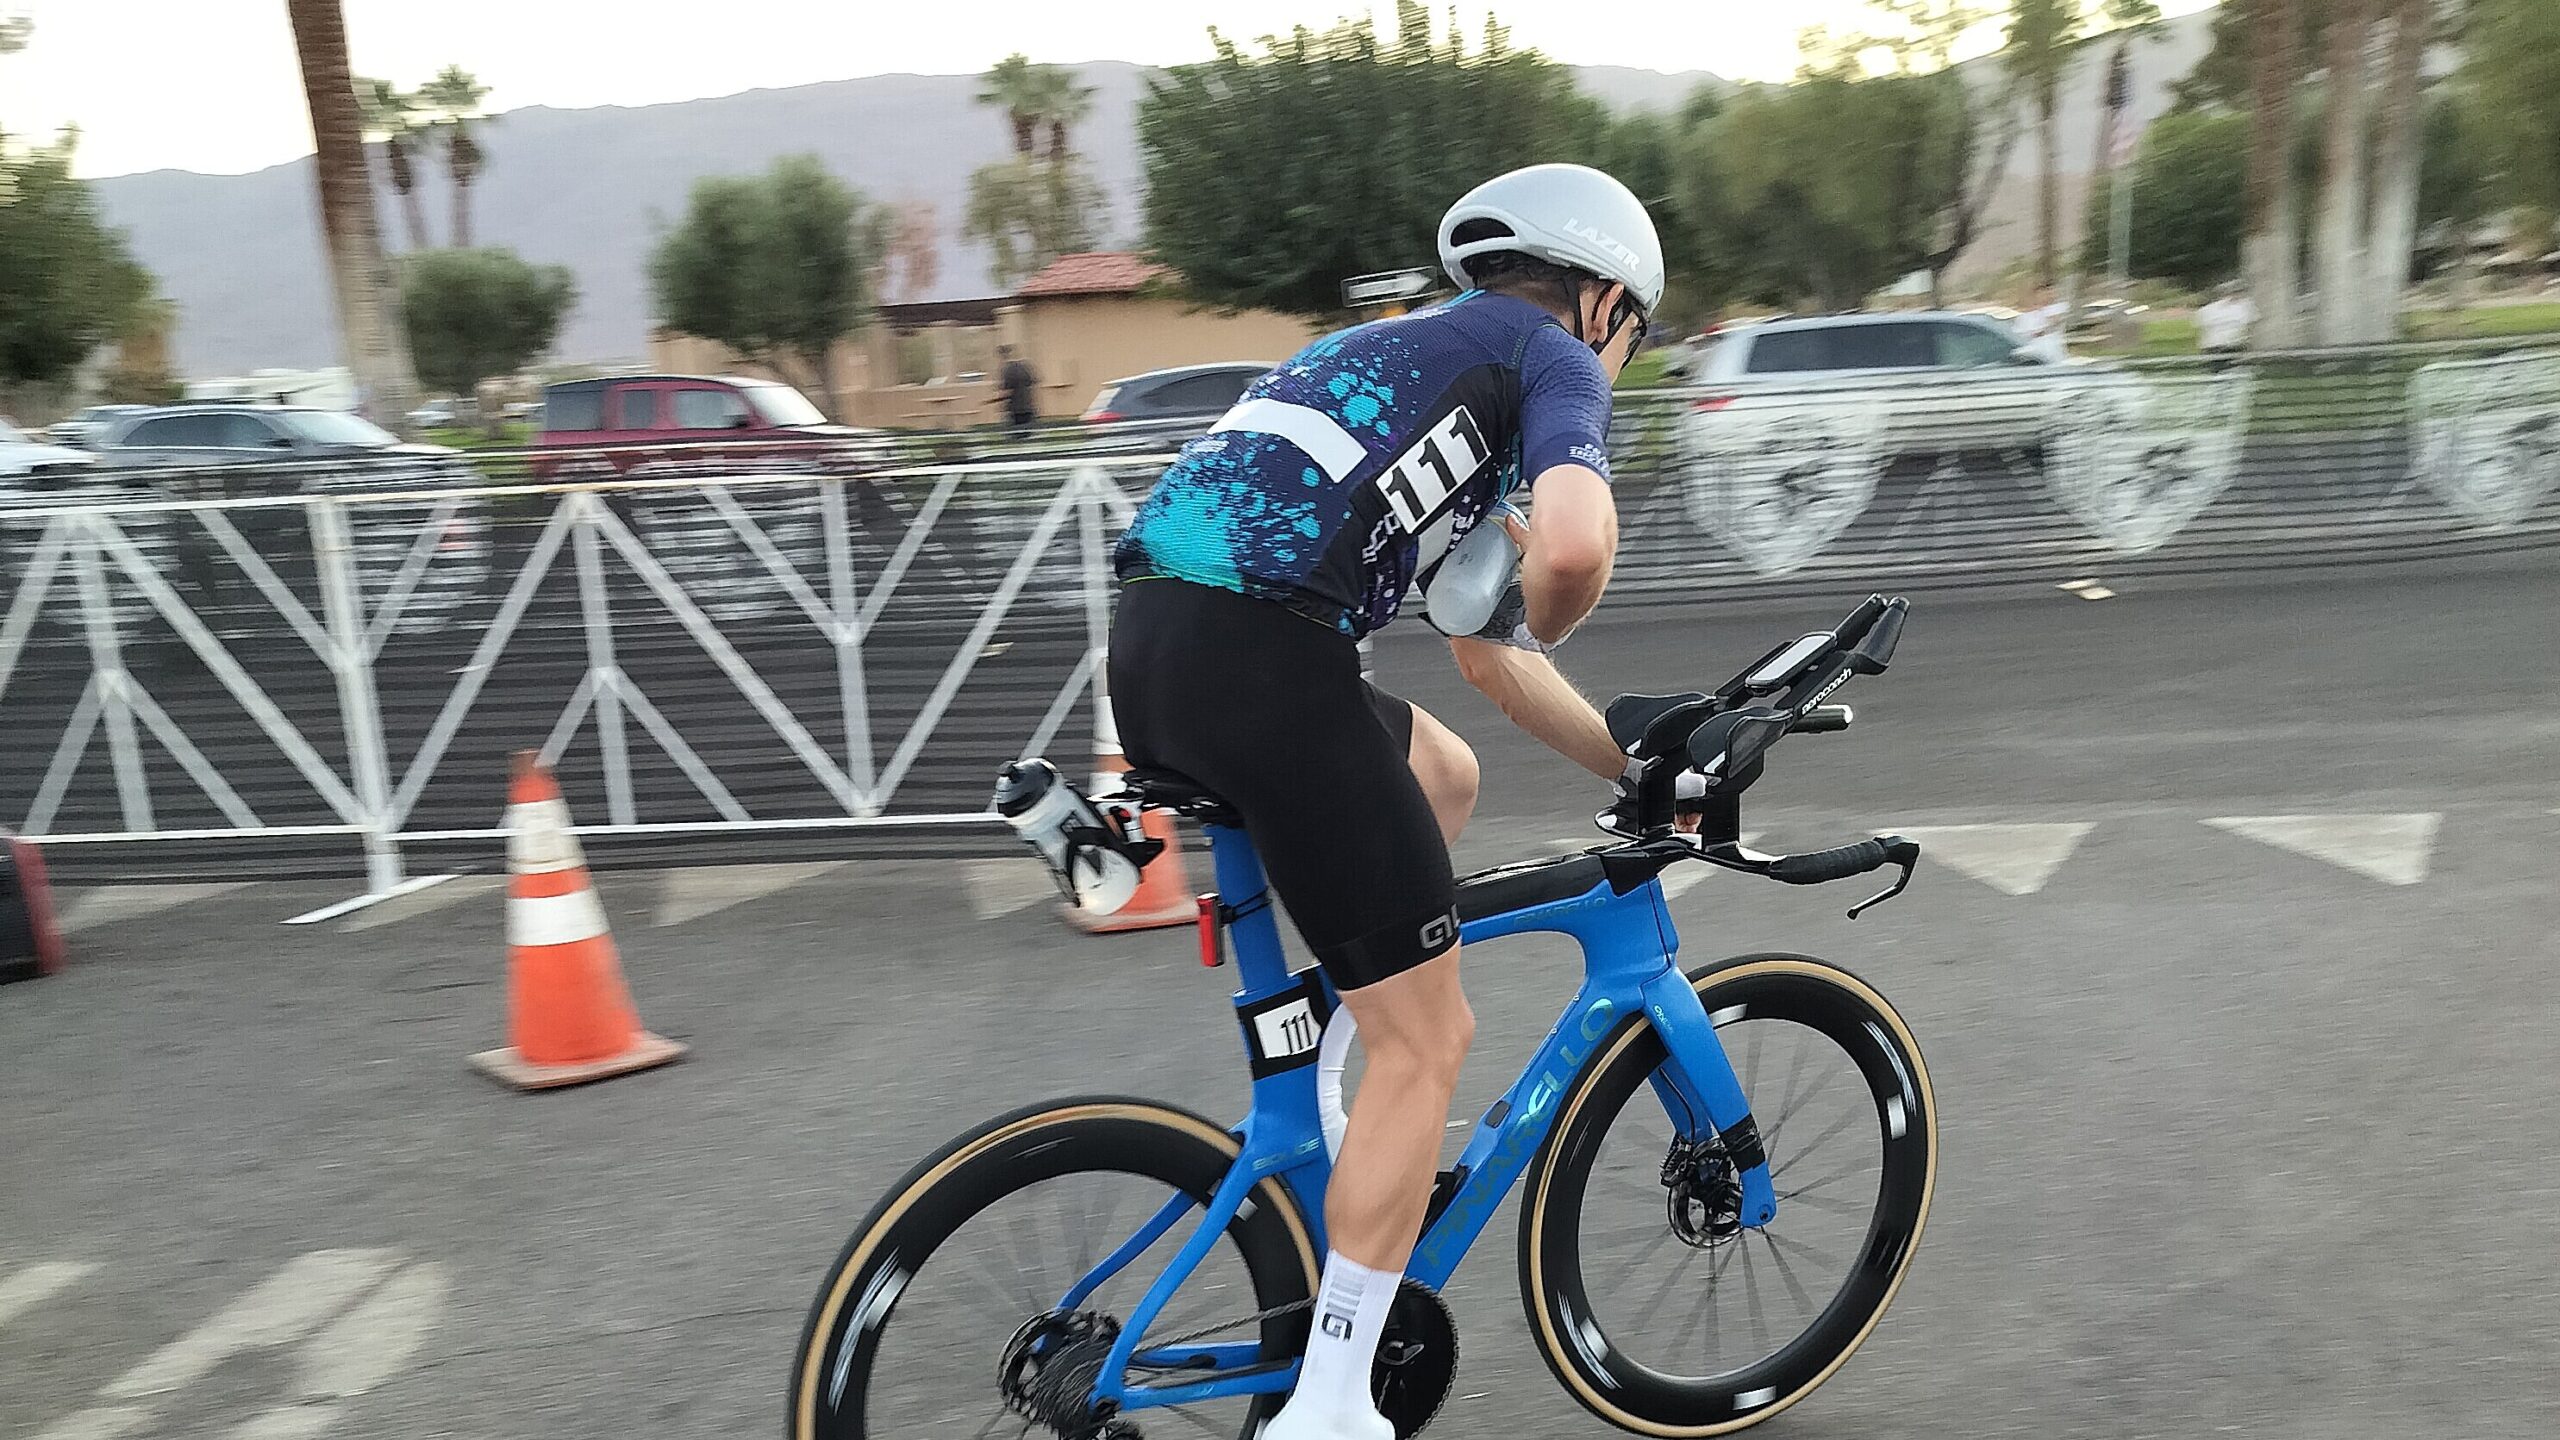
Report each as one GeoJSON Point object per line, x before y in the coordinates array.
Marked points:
{"type": "Point", "coordinates": [1699, 1080]}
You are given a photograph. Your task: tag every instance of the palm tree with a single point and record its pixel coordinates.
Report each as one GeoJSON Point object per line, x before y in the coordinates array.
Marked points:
{"type": "Point", "coordinates": [376, 343]}
{"type": "Point", "coordinates": [2037, 49]}
{"type": "Point", "coordinates": [2271, 245]}
{"type": "Point", "coordinates": [455, 97]}
{"type": "Point", "coordinates": [2130, 20]}
{"type": "Point", "coordinates": [1013, 86]}
{"type": "Point", "coordinates": [1060, 103]}
{"type": "Point", "coordinates": [391, 119]}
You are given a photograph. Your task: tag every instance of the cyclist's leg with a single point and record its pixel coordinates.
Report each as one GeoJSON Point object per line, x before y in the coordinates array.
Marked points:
{"type": "Point", "coordinates": [1440, 760]}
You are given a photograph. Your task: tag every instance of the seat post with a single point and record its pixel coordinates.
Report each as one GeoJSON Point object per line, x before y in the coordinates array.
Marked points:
{"type": "Point", "coordinates": [1262, 965]}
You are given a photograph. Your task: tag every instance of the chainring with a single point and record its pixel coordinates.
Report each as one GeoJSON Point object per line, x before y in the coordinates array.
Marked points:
{"type": "Point", "coordinates": [1417, 1359]}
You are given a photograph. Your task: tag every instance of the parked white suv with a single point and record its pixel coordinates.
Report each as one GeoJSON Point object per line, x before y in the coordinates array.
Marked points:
{"type": "Point", "coordinates": [1931, 381]}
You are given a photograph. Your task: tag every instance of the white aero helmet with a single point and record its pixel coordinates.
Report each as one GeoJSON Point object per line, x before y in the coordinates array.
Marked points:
{"type": "Point", "coordinates": [1568, 214]}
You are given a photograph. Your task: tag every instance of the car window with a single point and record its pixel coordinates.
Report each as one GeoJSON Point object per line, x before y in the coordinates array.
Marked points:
{"type": "Point", "coordinates": [573, 410]}
{"type": "Point", "coordinates": [1214, 391]}
{"type": "Point", "coordinates": [708, 409]}
{"type": "Point", "coordinates": [239, 431]}
{"type": "Point", "coordinates": [174, 430]}
{"type": "Point", "coordinates": [1780, 351]}
{"type": "Point", "coordinates": [1895, 346]}
{"type": "Point", "coordinates": [335, 427]}
{"type": "Point", "coordinates": [1971, 346]}
{"type": "Point", "coordinates": [635, 409]}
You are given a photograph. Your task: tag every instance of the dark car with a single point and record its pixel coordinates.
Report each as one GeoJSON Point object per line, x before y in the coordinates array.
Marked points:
{"type": "Point", "coordinates": [433, 557]}
{"type": "Point", "coordinates": [1187, 392]}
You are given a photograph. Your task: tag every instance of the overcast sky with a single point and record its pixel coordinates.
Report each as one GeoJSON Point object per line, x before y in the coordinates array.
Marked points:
{"type": "Point", "coordinates": [211, 85]}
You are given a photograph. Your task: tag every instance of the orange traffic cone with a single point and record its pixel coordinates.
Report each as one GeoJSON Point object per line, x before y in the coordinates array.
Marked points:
{"type": "Point", "coordinates": [1164, 897]}
{"type": "Point", "coordinates": [569, 1017]}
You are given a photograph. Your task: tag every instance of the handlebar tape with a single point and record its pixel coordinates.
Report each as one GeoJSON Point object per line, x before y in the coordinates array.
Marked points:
{"type": "Point", "coordinates": [1819, 866]}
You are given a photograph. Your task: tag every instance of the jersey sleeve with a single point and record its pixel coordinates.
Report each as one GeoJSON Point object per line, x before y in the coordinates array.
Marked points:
{"type": "Point", "coordinates": [1564, 405]}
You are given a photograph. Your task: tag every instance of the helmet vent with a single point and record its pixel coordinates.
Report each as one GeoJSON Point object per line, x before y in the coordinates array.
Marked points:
{"type": "Point", "coordinates": [1480, 228]}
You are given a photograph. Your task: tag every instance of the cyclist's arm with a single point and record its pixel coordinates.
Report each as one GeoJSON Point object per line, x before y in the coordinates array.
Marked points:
{"type": "Point", "coordinates": [1566, 561]}
{"type": "Point", "coordinates": [1527, 687]}
{"type": "Point", "coordinates": [1564, 450]}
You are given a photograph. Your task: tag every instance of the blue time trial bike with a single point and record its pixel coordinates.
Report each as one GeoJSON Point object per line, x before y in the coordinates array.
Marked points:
{"type": "Point", "coordinates": [1726, 1170]}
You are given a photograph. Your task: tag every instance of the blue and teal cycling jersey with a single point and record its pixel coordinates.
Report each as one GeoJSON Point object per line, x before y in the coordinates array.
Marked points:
{"type": "Point", "coordinates": [1342, 477]}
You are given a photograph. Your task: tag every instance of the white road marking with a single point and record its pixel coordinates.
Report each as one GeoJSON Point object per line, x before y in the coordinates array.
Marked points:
{"type": "Point", "coordinates": [1681, 878]}
{"type": "Point", "coordinates": [38, 1283]}
{"type": "Point", "coordinates": [358, 1350]}
{"type": "Point", "coordinates": [309, 1289]}
{"type": "Point", "coordinates": [1000, 887]}
{"type": "Point", "coordinates": [2012, 859]}
{"type": "Point", "coordinates": [2393, 849]}
{"type": "Point", "coordinates": [98, 1422]}
{"type": "Point", "coordinates": [457, 890]}
{"type": "Point", "coordinates": [110, 904]}
{"type": "Point", "coordinates": [691, 894]}
{"type": "Point", "coordinates": [287, 1422]}
{"type": "Point", "coordinates": [357, 903]}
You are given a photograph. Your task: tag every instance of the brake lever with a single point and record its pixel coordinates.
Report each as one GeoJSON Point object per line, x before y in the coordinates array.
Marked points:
{"type": "Point", "coordinates": [1899, 851]}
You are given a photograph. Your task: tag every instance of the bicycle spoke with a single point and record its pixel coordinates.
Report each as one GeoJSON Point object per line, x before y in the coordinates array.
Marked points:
{"type": "Point", "coordinates": [1787, 1093]}
{"type": "Point", "coordinates": [1185, 1412]}
{"type": "Point", "coordinates": [1776, 1239]}
{"type": "Point", "coordinates": [1751, 1296]}
{"type": "Point", "coordinates": [1677, 1273]}
{"type": "Point", "coordinates": [1787, 1273]}
{"type": "Point", "coordinates": [1647, 1253]}
{"type": "Point", "coordinates": [1827, 1203]}
{"type": "Point", "coordinates": [1751, 1059]}
{"type": "Point", "coordinates": [995, 1421]}
{"type": "Point", "coordinates": [1843, 1173]}
{"type": "Point", "coordinates": [1809, 1147]}
{"type": "Point", "coordinates": [1715, 1275]}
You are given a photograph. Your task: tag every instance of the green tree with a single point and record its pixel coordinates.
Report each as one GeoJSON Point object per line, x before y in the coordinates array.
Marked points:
{"type": "Point", "coordinates": [454, 97]}
{"type": "Point", "coordinates": [1381, 135]}
{"type": "Point", "coordinates": [1038, 203]}
{"type": "Point", "coordinates": [68, 285]}
{"type": "Point", "coordinates": [1028, 211]}
{"type": "Point", "coordinates": [777, 267]}
{"type": "Point", "coordinates": [2512, 68]}
{"type": "Point", "coordinates": [474, 314]}
{"type": "Point", "coordinates": [1825, 189]}
{"type": "Point", "coordinates": [391, 119]}
{"type": "Point", "coordinates": [2190, 200]}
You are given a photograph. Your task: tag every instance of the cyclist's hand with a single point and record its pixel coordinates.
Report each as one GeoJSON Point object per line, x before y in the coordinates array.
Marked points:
{"type": "Point", "coordinates": [1687, 810]}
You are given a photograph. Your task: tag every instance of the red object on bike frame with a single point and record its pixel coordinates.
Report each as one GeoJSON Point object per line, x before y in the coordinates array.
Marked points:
{"type": "Point", "coordinates": [1213, 940]}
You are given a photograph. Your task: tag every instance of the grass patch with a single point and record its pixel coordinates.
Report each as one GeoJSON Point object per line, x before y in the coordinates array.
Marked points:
{"type": "Point", "coordinates": [510, 435]}
{"type": "Point", "coordinates": [1644, 372]}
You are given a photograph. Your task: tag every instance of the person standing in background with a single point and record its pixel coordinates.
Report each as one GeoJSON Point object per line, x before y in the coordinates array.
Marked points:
{"type": "Point", "coordinates": [2222, 326]}
{"type": "Point", "coordinates": [2040, 328]}
{"type": "Point", "coordinates": [1020, 386]}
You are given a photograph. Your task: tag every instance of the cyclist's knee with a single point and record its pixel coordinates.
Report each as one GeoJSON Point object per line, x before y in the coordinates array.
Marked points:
{"type": "Point", "coordinates": [1447, 770]}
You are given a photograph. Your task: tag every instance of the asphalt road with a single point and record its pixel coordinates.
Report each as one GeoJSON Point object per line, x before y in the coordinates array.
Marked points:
{"type": "Point", "coordinates": [2246, 1126]}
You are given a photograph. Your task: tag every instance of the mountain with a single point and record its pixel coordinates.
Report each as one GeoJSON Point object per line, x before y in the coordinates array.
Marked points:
{"type": "Point", "coordinates": [240, 254]}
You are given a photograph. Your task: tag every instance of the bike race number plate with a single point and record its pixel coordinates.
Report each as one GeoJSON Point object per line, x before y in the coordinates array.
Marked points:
{"type": "Point", "coordinates": [1283, 1031]}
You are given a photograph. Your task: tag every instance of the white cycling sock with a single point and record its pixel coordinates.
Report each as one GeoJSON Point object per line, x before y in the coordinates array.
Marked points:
{"type": "Point", "coordinates": [1342, 1344]}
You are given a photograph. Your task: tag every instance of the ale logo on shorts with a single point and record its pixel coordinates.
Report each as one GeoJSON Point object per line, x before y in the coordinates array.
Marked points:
{"type": "Point", "coordinates": [1439, 933]}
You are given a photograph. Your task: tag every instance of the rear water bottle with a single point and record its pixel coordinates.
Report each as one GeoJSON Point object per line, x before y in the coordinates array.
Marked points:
{"type": "Point", "coordinates": [1069, 832]}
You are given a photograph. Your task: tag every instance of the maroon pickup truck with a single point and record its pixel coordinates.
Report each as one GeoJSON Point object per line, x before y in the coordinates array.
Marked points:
{"type": "Point", "coordinates": [667, 426]}
{"type": "Point", "coordinates": [685, 423]}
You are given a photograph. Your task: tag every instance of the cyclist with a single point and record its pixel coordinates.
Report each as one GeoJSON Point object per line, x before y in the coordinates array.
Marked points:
{"type": "Point", "coordinates": [1338, 483]}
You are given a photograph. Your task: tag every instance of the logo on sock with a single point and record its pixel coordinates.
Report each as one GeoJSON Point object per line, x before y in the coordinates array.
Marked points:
{"type": "Point", "coordinates": [1337, 1325]}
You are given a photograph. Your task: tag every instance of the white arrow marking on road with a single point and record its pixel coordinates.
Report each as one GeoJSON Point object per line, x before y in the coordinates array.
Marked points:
{"type": "Point", "coordinates": [453, 890]}
{"type": "Point", "coordinates": [2012, 859]}
{"type": "Point", "coordinates": [2390, 848]}
{"type": "Point", "coordinates": [360, 1350]}
{"type": "Point", "coordinates": [38, 1283]}
{"type": "Point", "coordinates": [112, 903]}
{"type": "Point", "coordinates": [309, 1289]}
{"type": "Point", "coordinates": [708, 890]}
